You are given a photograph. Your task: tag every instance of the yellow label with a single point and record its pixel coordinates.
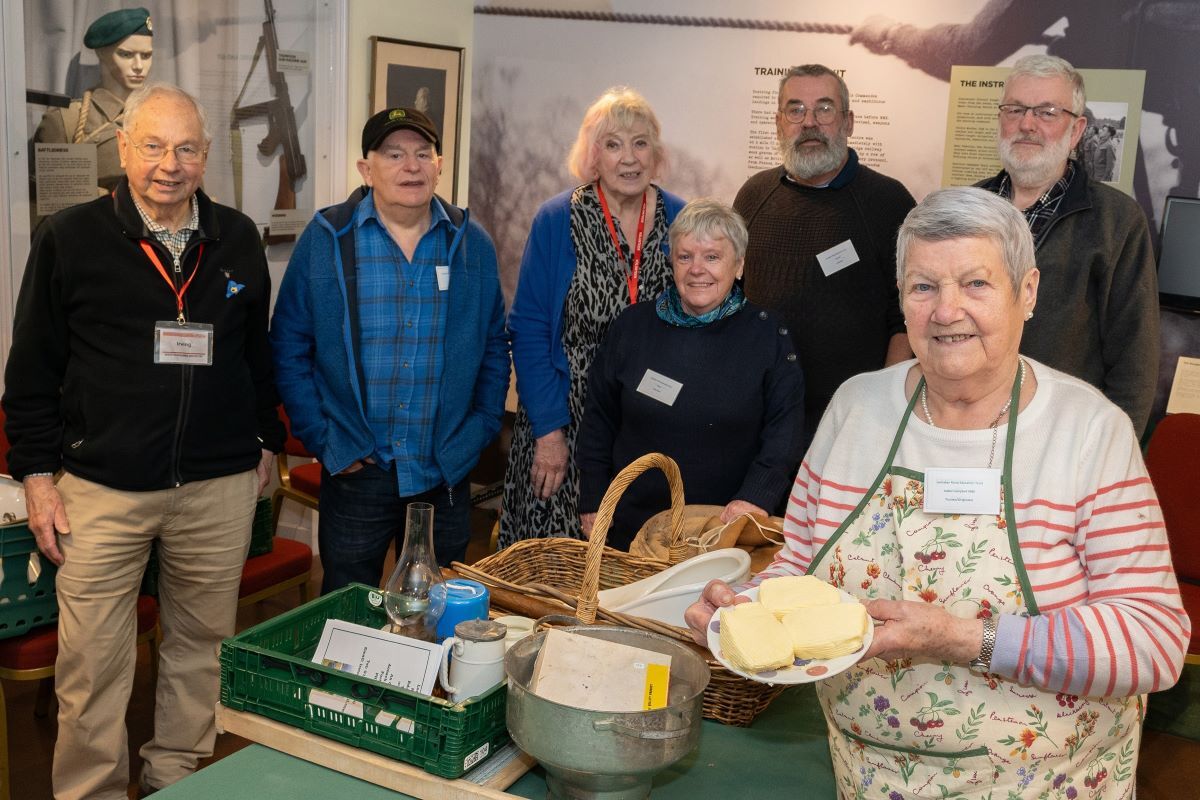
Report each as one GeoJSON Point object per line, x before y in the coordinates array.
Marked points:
{"type": "Point", "coordinates": [657, 678]}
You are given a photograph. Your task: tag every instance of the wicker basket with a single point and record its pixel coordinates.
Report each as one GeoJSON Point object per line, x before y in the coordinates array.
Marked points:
{"type": "Point", "coordinates": [572, 572]}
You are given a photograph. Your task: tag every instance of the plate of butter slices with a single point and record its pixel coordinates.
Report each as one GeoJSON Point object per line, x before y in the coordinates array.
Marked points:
{"type": "Point", "coordinates": [795, 629]}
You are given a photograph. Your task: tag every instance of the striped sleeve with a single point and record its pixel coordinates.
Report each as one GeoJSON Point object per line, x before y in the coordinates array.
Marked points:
{"type": "Point", "coordinates": [1111, 620]}
{"type": "Point", "coordinates": [816, 508]}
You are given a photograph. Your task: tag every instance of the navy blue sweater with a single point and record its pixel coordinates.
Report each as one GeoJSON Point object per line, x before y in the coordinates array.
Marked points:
{"type": "Point", "coordinates": [735, 428]}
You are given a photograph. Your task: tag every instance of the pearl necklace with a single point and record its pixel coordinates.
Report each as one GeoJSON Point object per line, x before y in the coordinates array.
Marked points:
{"type": "Point", "coordinates": [995, 423]}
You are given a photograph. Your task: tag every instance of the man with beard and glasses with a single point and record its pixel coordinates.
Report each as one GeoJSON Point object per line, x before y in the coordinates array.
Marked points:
{"type": "Point", "coordinates": [822, 245]}
{"type": "Point", "coordinates": [1099, 290]}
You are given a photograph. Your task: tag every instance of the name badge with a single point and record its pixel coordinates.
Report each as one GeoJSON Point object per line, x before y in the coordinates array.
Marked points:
{"type": "Point", "coordinates": [189, 343]}
{"type": "Point", "coordinates": [962, 491]}
{"type": "Point", "coordinates": [837, 257]}
{"type": "Point", "coordinates": [443, 278]}
{"type": "Point", "coordinates": [660, 387]}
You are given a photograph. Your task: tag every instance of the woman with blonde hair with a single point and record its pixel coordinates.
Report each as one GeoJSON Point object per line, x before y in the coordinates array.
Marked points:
{"type": "Point", "coordinates": [592, 251]}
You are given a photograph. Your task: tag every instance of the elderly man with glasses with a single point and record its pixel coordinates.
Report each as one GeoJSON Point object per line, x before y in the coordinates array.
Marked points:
{"type": "Point", "coordinates": [1098, 299]}
{"type": "Point", "coordinates": [141, 409]}
{"type": "Point", "coordinates": [822, 245]}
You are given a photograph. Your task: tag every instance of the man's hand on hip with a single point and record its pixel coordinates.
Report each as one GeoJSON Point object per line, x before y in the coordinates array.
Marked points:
{"type": "Point", "coordinates": [47, 515]}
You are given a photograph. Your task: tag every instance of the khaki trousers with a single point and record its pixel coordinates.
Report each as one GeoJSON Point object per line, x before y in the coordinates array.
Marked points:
{"type": "Point", "coordinates": [203, 530]}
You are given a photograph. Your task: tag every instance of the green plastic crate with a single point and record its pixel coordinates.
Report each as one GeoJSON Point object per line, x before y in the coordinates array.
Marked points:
{"type": "Point", "coordinates": [24, 605]}
{"type": "Point", "coordinates": [267, 670]}
{"type": "Point", "coordinates": [262, 535]}
{"type": "Point", "coordinates": [262, 540]}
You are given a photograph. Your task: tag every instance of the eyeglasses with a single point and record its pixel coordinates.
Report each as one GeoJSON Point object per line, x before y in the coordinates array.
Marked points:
{"type": "Point", "coordinates": [823, 113]}
{"type": "Point", "coordinates": [153, 152]}
{"type": "Point", "coordinates": [1015, 111]}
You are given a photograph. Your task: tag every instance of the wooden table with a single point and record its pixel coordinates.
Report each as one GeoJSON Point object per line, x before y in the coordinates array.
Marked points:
{"type": "Point", "coordinates": [786, 746]}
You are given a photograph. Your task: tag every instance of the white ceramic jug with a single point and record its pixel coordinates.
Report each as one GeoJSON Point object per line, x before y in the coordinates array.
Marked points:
{"type": "Point", "coordinates": [473, 658]}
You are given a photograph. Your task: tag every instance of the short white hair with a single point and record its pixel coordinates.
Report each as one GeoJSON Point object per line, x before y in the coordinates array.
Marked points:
{"type": "Point", "coordinates": [964, 212]}
{"type": "Point", "coordinates": [138, 98]}
{"type": "Point", "coordinates": [1044, 66]}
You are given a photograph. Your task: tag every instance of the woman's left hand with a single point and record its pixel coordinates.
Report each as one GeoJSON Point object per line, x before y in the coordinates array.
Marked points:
{"type": "Point", "coordinates": [911, 628]}
{"type": "Point", "coordinates": [716, 594]}
{"type": "Point", "coordinates": [738, 507]}
{"type": "Point", "coordinates": [549, 467]}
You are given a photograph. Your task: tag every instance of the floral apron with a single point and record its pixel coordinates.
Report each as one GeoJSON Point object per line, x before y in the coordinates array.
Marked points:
{"type": "Point", "coordinates": [916, 729]}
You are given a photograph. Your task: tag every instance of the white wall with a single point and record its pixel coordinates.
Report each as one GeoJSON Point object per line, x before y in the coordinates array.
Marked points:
{"type": "Point", "coordinates": [14, 174]}
{"type": "Point", "coordinates": [446, 22]}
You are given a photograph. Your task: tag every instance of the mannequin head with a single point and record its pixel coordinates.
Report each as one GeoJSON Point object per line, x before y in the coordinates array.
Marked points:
{"type": "Point", "coordinates": [124, 47]}
{"type": "Point", "coordinates": [125, 66]}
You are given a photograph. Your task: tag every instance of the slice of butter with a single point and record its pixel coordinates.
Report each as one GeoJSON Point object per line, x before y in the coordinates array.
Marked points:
{"type": "Point", "coordinates": [827, 631]}
{"type": "Point", "coordinates": [784, 595]}
{"type": "Point", "coordinates": [753, 640]}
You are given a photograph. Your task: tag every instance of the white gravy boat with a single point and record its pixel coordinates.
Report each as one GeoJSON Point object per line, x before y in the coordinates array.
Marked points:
{"type": "Point", "coordinates": [666, 595]}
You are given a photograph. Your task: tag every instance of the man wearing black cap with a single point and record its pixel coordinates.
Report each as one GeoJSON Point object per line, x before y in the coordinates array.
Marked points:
{"type": "Point", "coordinates": [390, 350]}
{"type": "Point", "coordinates": [124, 47]}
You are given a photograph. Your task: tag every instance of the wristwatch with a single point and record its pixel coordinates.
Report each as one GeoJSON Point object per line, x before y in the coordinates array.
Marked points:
{"type": "Point", "coordinates": [983, 661]}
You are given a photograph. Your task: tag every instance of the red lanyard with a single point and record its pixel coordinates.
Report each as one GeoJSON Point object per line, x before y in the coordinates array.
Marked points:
{"type": "Point", "coordinates": [631, 275]}
{"type": "Point", "coordinates": [179, 293]}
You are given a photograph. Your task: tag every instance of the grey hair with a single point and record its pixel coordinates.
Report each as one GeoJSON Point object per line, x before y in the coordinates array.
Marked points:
{"type": "Point", "coordinates": [138, 97]}
{"type": "Point", "coordinates": [964, 212]}
{"type": "Point", "coordinates": [818, 71]}
{"type": "Point", "coordinates": [1044, 66]}
{"type": "Point", "coordinates": [711, 219]}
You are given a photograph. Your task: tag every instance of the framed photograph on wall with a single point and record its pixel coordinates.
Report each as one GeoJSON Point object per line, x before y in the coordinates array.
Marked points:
{"type": "Point", "coordinates": [428, 77]}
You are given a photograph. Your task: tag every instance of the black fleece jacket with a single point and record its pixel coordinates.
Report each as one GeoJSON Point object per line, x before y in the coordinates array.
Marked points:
{"type": "Point", "coordinates": [82, 390]}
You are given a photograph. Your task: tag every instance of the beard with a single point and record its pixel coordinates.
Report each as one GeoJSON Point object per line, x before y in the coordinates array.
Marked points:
{"type": "Point", "coordinates": [1039, 168]}
{"type": "Point", "coordinates": [809, 162]}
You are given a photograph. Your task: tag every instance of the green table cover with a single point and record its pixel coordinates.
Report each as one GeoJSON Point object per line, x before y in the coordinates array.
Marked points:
{"type": "Point", "coordinates": [785, 747]}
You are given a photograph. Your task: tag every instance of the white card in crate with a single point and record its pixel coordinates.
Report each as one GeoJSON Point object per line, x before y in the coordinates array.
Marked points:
{"type": "Point", "coordinates": [379, 655]}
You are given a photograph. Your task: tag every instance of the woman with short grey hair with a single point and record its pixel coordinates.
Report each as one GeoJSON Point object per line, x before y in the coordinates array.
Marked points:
{"type": "Point", "coordinates": [995, 517]}
{"type": "Point", "coordinates": [701, 375]}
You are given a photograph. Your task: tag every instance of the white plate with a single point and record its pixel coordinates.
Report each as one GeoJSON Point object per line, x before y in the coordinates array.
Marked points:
{"type": "Point", "coordinates": [803, 670]}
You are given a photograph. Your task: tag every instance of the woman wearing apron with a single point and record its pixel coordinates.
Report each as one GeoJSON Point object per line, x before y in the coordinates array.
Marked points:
{"type": "Point", "coordinates": [996, 517]}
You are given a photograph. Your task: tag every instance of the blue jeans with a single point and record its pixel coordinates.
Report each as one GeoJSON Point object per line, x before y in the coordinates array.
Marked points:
{"type": "Point", "coordinates": [361, 515]}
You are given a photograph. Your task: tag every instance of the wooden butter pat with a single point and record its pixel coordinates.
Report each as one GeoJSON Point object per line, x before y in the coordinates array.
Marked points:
{"type": "Point", "coordinates": [599, 675]}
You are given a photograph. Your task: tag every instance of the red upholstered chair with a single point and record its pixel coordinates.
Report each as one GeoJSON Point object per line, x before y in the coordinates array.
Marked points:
{"type": "Point", "coordinates": [288, 565]}
{"type": "Point", "coordinates": [302, 482]}
{"type": "Point", "coordinates": [31, 656]}
{"type": "Point", "coordinates": [1173, 459]}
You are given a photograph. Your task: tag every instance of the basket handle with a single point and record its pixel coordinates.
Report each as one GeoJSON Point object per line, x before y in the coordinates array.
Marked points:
{"type": "Point", "coordinates": [589, 588]}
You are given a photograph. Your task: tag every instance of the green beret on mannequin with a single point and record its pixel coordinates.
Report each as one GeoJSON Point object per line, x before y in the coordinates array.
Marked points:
{"type": "Point", "coordinates": [117, 25]}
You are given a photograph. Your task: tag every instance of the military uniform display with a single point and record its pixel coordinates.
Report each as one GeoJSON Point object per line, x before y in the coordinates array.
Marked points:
{"type": "Point", "coordinates": [104, 112]}
{"type": "Point", "coordinates": [95, 118]}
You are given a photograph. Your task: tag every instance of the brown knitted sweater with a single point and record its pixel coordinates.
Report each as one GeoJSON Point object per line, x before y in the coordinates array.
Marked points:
{"type": "Point", "coordinates": [840, 324]}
